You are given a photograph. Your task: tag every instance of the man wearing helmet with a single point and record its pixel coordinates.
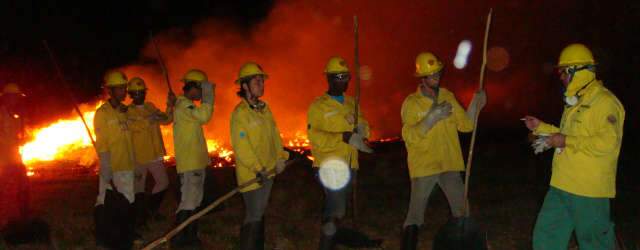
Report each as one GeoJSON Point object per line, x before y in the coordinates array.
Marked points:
{"type": "Point", "coordinates": [148, 148]}
{"type": "Point", "coordinates": [431, 120]}
{"type": "Point", "coordinates": [192, 156]}
{"type": "Point", "coordinates": [587, 145]}
{"type": "Point", "coordinates": [331, 120]}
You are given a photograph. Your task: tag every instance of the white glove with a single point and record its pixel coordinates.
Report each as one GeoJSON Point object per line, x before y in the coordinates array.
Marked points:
{"type": "Point", "coordinates": [361, 128]}
{"type": "Point", "coordinates": [280, 166]}
{"type": "Point", "coordinates": [478, 102]}
{"type": "Point", "coordinates": [207, 92]}
{"type": "Point", "coordinates": [357, 141]}
{"type": "Point", "coordinates": [540, 145]}
{"type": "Point", "coordinates": [437, 113]}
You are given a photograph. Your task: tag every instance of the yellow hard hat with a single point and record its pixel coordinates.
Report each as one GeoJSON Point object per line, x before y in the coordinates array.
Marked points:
{"type": "Point", "coordinates": [115, 79]}
{"type": "Point", "coordinates": [11, 88]}
{"type": "Point", "coordinates": [575, 54]}
{"type": "Point", "coordinates": [427, 64]}
{"type": "Point", "coordinates": [248, 70]}
{"type": "Point", "coordinates": [336, 65]}
{"type": "Point", "coordinates": [195, 75]}
{"type": "Point", "coordinates": [136, 84]}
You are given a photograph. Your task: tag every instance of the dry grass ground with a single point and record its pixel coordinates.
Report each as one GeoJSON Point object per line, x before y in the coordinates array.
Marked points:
{"type": "Point", "coordinates": [506, 192]}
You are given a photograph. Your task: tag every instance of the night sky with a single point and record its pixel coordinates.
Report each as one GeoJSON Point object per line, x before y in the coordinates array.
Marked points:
{"type": "Point", "coordinates": [293, 39]}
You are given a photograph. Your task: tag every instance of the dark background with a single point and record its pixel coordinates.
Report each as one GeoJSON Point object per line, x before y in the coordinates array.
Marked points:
{"type": "Point", "coordinates": [90, 38]}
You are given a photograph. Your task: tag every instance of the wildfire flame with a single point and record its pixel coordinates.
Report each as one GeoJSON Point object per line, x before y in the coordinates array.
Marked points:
{"type": "Point", "coordinates": [67, 140]}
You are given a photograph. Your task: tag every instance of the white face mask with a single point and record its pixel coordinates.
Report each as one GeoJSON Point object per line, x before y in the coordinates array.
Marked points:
{"type": "Point", "coordinates": [571, 100]}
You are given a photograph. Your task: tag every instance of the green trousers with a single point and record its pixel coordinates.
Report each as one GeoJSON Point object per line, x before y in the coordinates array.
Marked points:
{"type": "Point", "coordinates": [563, 213]}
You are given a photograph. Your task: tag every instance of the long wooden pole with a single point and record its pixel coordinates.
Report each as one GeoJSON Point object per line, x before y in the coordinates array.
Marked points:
{"type": "Point", "coordinates": [271, 173]}
{"type": "Point", "coordinates": [165, 72]}
{"type": "Point", "coordinates": [477, 115]}
{"type": "Point", "coordinates": [356, 63]}
{"type": "Point", "coordinates": [68, 88]}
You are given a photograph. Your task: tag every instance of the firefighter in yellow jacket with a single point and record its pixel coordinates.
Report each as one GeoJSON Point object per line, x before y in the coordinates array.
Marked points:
{"type": "Point", "coordinates": [431, 120]}
{"type": "Point", "coordinates": [115, 152]}
{"type": "Point", "coordinates": [148, 147]}
{"type": "Point", "coordinates": [192, 156]}
{"type": "Point", "coordinates": [587, 145]}
{"type": "Point", "coordinates": [258, 148]}
{"type": "Point", "coordinates": [331, 120]}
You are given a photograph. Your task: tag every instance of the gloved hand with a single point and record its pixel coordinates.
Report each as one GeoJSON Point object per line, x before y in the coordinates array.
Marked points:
{"type": "Point", "coordinates": [357, 141]}
{"type": "Point", "coordinates": [360, 129]}
{"type": "Point", "coordinates": [477, 103]}
{"type": "Point", "coordinates": [262, 177]}
{"type": "Point", "coordinates": [540, 144]}
{"type": "Point", "coordinates": [208, 92]}
{"type": "Point", "coordinates": [437, 113]}
{"type": "Point", "coordinates": [280, 166]}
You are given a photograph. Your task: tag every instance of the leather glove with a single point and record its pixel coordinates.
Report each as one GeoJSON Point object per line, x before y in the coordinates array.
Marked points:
{"type": "Point", "coordinates": [280, 166]}
{"type": "Point", "coordinates": [207, 92]}
{"type": "Point", "coordinates": [357, 141]}
{"type": "Point", "coordinates": [477, 103]}
{"type": "Point", "coordinates": [262, 177]}
{"type": "Point", "coordinates": [540, 144]}
{"type": "Point", "coordinates": [437, 113]}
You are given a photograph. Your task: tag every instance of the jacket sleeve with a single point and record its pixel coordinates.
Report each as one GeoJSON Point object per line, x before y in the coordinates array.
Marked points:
{"type": "Point", "coordinates": [328, 120]}
{"type": "Point", "coordinates": [167, 115]}
{"type": "Point", "coordinates": [100, 127]}
{"type": "Point", "coordinates": [411, 115]}
{"type": "Point", "coordinates": [201, 114]}
{"type": "Point", "coordinates": [463, 122]}
{"type": "Point", "coordinates": [241, 145]}
{"type": "Point", "coordinates": [135, 122]}
{"type": "Point", "coordinates": [545, 128]}
{"type": "Point", "coordinates": [606, 131]}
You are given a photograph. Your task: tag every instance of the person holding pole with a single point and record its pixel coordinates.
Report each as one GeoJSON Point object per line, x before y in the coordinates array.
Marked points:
{"type": "Point", "coordinates": [587, 145]}
{"type": "Point", "coordinates": [431, 120]}
{"type": "Point", "coordinates": [258, 147]}
{"type": "Point", "coordinates": [330, 128]}
{"type": "Point", "coordinates": [148, 147]}
{"type": "Point", "coordinates": [115, 217]}
{"type": "Point", "coordinates": [192, 156]}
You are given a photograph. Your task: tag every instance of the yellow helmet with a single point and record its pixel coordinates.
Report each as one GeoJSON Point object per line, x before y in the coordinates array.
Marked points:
{"type": "Point", "coordinates": [427, 64]}
{"type": "Point", "coordinates": [575, 54]}
{"type": "Point", "coordinates": [195, 75]}
{"type": "Point", "coordinates": [115, 79]}
{"type": "Point", "coordinates": [250, 69]}
{"type": "Point", "coordinates": [11, 88]}
{"type": "Point", "coordinates": [136, 84]}
{"type": "Point", "coordinates": [336, 65]}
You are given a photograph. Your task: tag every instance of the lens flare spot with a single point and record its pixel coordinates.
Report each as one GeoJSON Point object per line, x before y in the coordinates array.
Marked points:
{"type": "Point", "coordinates": [462, 55]}
{"type": "Point", "coordinates": [334, 174]}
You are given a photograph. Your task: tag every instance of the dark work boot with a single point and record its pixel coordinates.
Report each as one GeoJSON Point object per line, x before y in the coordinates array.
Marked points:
{"type": "Point", "coordinates": [327, 242]}
{"type": "Point", "coordinates": [180, 239]}
{"type": "Point", "coordinates": [100, 225]}
{"type": "Point", "coordinates": [260, 236]}
{"type": "Point", "coordinates": [155, 200]}
{"type": "Point", "coordinates": [141, 210]}
{"type": "Point", "coordinates": [249, 236]}
{"type": "Point", "coordinates": [191, 232]}
{"type": "Point", "coordinates": [410, 237]}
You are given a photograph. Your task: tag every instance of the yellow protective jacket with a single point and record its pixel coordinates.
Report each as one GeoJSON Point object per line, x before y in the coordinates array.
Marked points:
{"type": "Point", "coordinates": [256, 142]}
{"type": "Point", "coordinates": [593, 129]}
{"type": "Point", "coordinates": [11, 126]}
{"type": "Point", "coordinates": [113, 136]}
{"type": "Point", "coordinates": [146, 136]}
{"type": "Point", "coordinates": [188, 136]}
{"type": "Point", "coordinates": [438, 150]}
{"type": "Point", "coordinates": [326, 122]}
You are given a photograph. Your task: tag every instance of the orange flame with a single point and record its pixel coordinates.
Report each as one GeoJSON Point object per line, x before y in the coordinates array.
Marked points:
{"type": "Point", "coordinates": [67, 140]}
